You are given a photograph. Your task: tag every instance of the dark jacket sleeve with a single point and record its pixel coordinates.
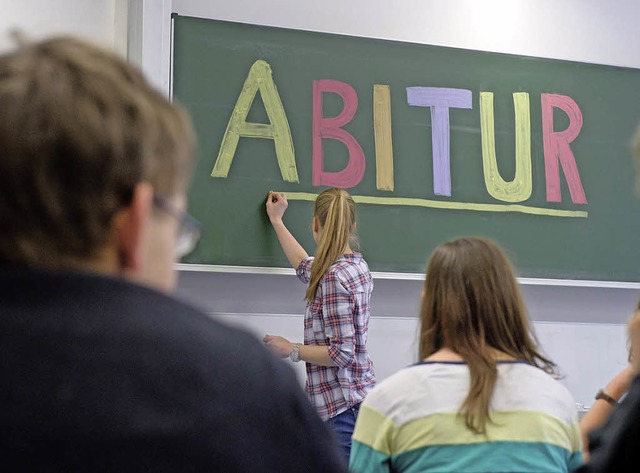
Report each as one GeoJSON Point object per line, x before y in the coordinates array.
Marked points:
{"type": "Point", "coordinates": [276, 427]}
{"type": "Point", "coordinates": [616, 446]}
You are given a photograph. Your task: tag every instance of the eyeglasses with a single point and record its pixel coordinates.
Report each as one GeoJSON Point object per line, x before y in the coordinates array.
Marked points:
{"type": "Point", "coordinates": [189, 231]}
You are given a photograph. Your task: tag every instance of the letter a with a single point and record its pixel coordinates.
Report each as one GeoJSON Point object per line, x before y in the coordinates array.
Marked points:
{"type": "Point", "coordinates": [259, 79]}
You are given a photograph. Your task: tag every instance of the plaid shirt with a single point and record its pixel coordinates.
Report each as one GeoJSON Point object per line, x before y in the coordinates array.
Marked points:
{"type": "Point", "coordinates": [338, 318]}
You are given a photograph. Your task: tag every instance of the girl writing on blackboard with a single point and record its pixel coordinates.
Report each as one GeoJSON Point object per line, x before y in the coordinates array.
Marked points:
{"type": "Point", "coordinates": [482, 398]}
{"type": "Point", "coordinates": [339, 371]}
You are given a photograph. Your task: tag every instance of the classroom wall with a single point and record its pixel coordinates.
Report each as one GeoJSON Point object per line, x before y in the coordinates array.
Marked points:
{"type": "Point", "coordinates": [103, 21]}
{"type": "Point", "coordinates": [579, 30]}
{"type": "Point", "coordinates": [580, 326]}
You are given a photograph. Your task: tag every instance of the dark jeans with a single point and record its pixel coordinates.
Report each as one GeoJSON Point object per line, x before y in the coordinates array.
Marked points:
{"type": "Point", "coordinates": [343, 425]}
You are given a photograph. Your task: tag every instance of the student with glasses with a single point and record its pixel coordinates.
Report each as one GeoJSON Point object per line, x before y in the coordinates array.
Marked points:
{"type": "Point", "coordinates": [189, 229]}
{"type": "Point", "coordinates": [101, 369]}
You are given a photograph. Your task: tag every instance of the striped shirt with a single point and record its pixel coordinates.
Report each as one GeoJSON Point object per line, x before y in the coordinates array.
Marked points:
{"type": "Point", "coordinates": [408, 423]}
{"type": "Point", "coordinates": [338, 317]}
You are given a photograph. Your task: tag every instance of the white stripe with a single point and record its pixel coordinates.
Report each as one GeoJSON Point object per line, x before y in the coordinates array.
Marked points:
{"type": "Point", "coordinates": [427, 389]}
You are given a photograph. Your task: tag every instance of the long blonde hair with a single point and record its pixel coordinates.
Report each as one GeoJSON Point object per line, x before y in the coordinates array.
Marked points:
{"type": "Point", "coordinates": [336, 214]}
{"type": "Point", "coordinates": [472, 305]}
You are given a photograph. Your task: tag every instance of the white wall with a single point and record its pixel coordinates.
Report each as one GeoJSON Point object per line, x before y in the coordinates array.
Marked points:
{"type": "Point", "coordinates": [393, 344]}
{"type": "Point", "coordinates": [103, 21]}
{"type": "Point", "coordinates": [580, 30]}
{"type": "Point", "coordinates": [581, 328]}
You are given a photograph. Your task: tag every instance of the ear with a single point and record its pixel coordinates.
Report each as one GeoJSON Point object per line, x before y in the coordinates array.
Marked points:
{"type": "Point", "coordinates": [316, 225]}
{"type": "Point", "coordinates": [130, 226]}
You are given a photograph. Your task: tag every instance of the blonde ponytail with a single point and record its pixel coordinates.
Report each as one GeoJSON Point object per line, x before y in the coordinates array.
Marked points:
{"type": "Point", "coordinates": [336, 214]}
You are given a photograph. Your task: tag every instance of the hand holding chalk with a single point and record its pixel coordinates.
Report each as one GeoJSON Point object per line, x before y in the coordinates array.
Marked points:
{"type": "Point", "coordinates": [276, 206]}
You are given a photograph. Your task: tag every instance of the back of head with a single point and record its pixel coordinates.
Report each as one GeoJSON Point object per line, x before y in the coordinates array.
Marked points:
{"type": "Point", "coordinates": [79, 128]}
{"type": "Point", "coordinates": [473, 306]}
{"type": "Point", "coordinates": [336, 214]}
{"type": "Point", "coordinates": [473, 300]}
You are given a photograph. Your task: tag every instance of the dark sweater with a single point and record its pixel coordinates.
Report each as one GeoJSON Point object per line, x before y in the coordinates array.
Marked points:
{"type": "Point", "coordinates": [99, 374]}
{"type": "Point", "coordinates": [615, 447]}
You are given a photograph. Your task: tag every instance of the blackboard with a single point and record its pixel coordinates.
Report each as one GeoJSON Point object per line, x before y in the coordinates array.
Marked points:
{"type": "Point", "coordinates": [575, 217]}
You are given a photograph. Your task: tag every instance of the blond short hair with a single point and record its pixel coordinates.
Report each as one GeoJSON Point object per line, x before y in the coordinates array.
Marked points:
{"type": "Point", "coordinates": [79, 128]}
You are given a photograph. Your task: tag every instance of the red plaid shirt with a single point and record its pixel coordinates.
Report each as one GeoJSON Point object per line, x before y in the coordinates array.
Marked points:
{"type": "Point", "coordinates": [338, 318]}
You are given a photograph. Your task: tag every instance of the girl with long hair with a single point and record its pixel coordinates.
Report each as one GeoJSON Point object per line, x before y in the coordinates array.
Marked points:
{"type": "Point", "coordinates": [336, 319]}
{"type": "Point", "coordinates": [483, 397]}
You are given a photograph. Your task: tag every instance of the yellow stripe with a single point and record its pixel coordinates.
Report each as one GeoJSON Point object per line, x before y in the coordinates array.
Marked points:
{"type": "Point", "coordinates": [516, 426]}
{"type": "Point", "coordinates": [436, 204]}
{"type": "Point", "coordinates": [374, 429]}
{"type": "Point", "coordinates": [576, 436]}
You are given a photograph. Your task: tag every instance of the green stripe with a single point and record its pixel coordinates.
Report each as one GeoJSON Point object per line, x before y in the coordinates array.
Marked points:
{"type": "Point", "coordinates": [495, 457]}
{"type": "Point", "coordinates": [575, 460]}
{"type": "Point", "coordinates": [374, 429]}
{"type": "Point", "coordinates": [365, 459]}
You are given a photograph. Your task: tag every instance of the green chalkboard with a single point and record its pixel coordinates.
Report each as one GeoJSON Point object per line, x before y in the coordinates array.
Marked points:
{"type": "Point", "coordinates": [561, 239]}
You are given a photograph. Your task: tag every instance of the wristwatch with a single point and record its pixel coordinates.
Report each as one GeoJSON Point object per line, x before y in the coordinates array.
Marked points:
{"type": "Point", "coordinates": [294, 354]}
{"type": "Point", "coordinates": [605, 397]}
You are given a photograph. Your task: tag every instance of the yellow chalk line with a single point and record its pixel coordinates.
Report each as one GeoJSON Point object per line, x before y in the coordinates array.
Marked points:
{"type": "Point", "coordinates": [436, 204]}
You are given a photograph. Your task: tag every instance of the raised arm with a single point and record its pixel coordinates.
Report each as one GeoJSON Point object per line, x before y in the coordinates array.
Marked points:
{"type": "Point", "coordinates": [276, 206]}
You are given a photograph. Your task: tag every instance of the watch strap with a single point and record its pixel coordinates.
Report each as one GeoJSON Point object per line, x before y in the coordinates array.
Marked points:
{"type": "Point", "coordinates": [294, 353]}
{"type": "Point", "coordinates": [605, 397]}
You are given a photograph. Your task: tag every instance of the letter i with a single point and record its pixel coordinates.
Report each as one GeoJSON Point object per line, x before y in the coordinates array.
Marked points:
{"type": "Point", "coordinates": [382, 133]}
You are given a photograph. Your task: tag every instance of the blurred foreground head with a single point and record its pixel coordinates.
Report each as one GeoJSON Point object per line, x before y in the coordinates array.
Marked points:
{"type": "Point", "coordinates": [85, 145]}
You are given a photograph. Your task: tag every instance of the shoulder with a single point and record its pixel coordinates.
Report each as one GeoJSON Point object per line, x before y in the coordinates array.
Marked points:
{"type": "Point", "coordinates": [530, 375]}
{"type": "Point", "coordinates": [303, 271]}
{"type": "Point", "coordinates": [146, 352]}
{"type": "Point", "coordinates": [154, 330]}
{"type": "Point", "coordinates": [211, 361]}
{"type": "Point", "coordinates": [393, 395]}
{"type": "Point", "coordinates": [350, 270]}
{"type": "Point", "coordinates": [524, 383]}
{"type": "Point", "coordinates": [420, 391]}
{"type": "Point", "coordinates": [203, 339]}
{"type": "Point", "coordinates": [392, 387]}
